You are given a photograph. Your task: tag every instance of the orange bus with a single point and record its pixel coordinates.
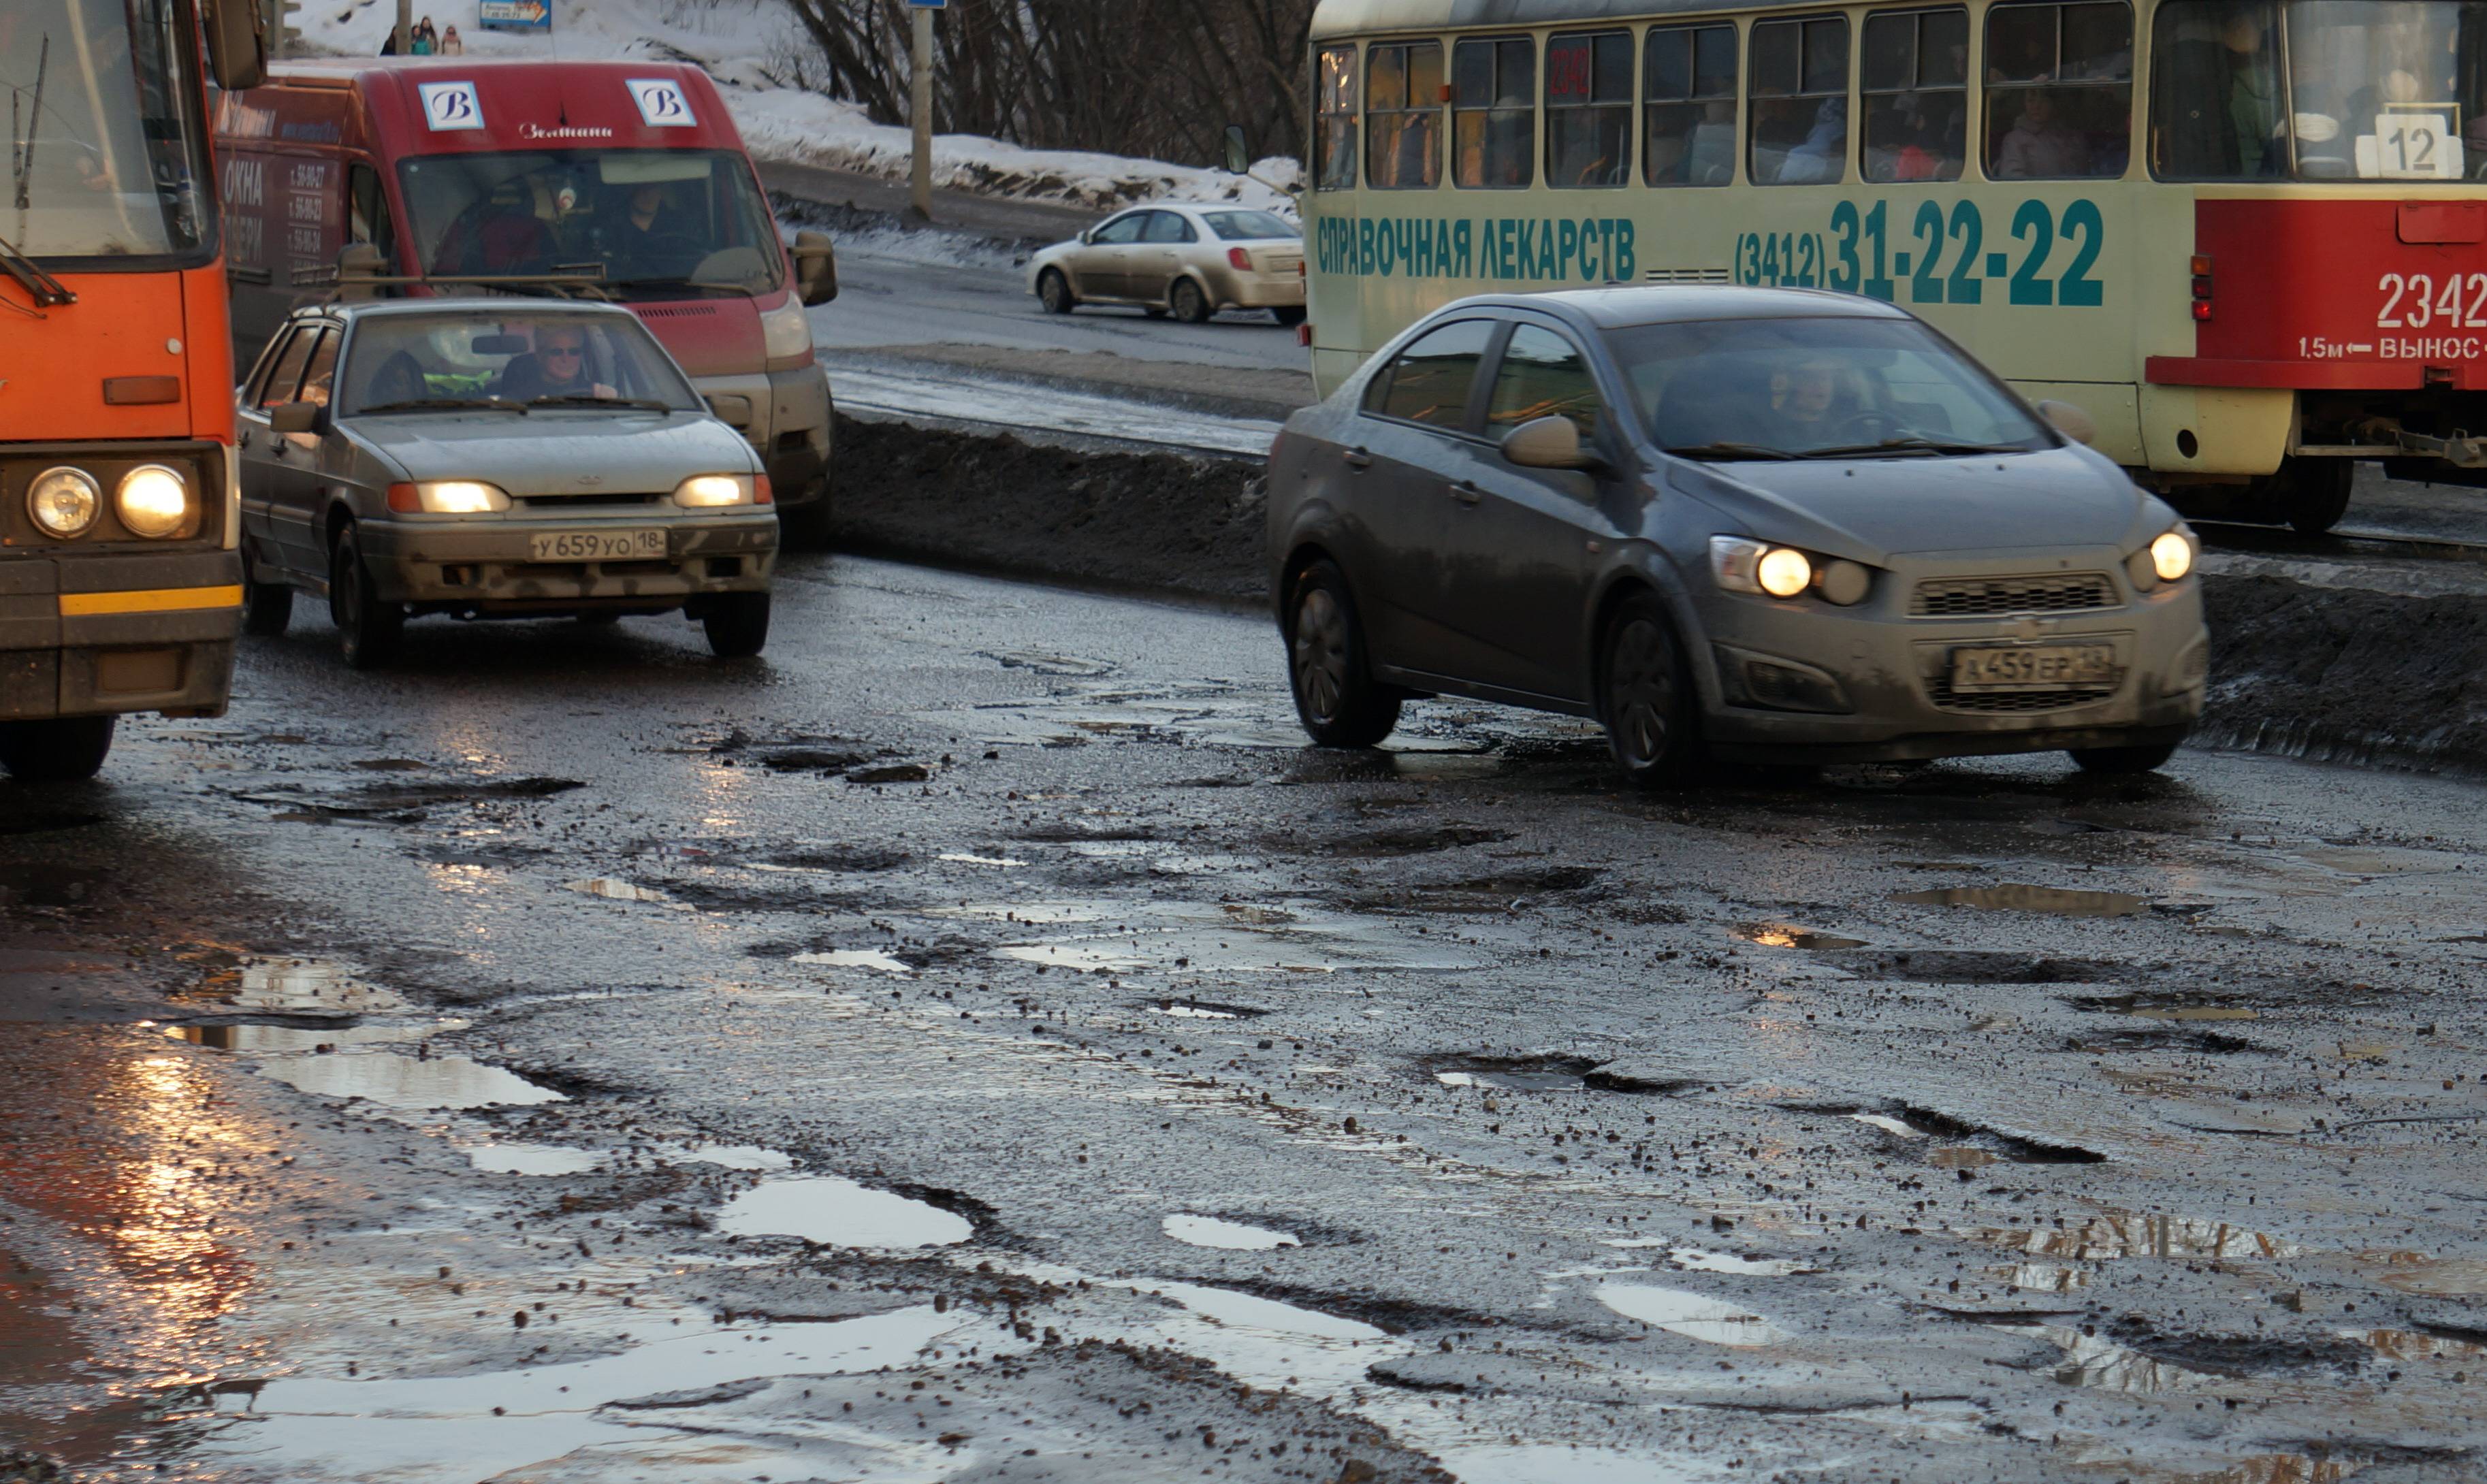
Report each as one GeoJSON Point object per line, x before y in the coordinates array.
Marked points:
{"type": "Point", "coordinates": [120, 582]}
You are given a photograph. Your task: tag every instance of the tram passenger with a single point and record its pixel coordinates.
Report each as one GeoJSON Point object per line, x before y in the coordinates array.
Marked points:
{"type": "Point", "coordinates": [2041, 146]}
{"type": "Point", "coordinates": [1824, 150]}
{"type": "Point", "coordinates": [2253, 95]}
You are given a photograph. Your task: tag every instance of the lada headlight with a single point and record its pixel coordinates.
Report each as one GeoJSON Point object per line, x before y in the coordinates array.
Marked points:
{"type": "Point", "coordinates": [448, 497]}
{"type": "Point", "coordinates": [709, 492]}
{"type": "Point", "coordinates": [65, 501]}
{"type": "Point", "coordinates": [153, 501]}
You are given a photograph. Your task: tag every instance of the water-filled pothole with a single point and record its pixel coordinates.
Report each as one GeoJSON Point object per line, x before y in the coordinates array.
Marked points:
{"type": "Point", "coordinates": [1693, 1316]}
{"type": "Point", "coordinates": [1204, 1231]}
{"type": "Point", "coordinates": [834, 1212]}
{"type": "Point", "coordinates": [1784, 934]}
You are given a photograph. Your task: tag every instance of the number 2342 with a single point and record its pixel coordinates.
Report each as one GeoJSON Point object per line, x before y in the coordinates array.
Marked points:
{"type": "Point", "coordinates": [2413, 302]}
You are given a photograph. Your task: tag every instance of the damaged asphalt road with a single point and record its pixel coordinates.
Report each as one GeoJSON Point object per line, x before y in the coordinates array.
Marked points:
{"type": "Point", "coordinates": [980, 1041]}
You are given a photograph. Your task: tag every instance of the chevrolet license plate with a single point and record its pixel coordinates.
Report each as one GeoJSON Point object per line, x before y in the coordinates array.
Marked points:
{"type": "Point", "coordinates": [2033, 667]}
{"type": "Point", "coordinates": [635, 546]}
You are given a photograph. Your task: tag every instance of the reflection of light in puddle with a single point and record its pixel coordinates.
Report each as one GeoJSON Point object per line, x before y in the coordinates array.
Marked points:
{"type": "Point", "coordinates": [2416, 1345]}
{"type": "Point", "coordinates": [305, 987]}
{"type": "Point", "coordinates": [2119, 1234]}
{"type": "Point", "coordinates": [1695, 1260]}
{"type": "Point", "coordinates": [1693, 1316]}
{"type": "Point", "coordinates": [2040, 1277]}
{"type": "Point", "coordinates": [393, 1080]}
{"type": "Point", "coordinates": [962, 859]}
{"type": "Point", "coordinates": [1500, 1080]}
{"type": "Point", "coordinates": [1203, 1231]}
{"type": "Point", "coordinates": [1780, 935]}
{"type": "Point", "coordinates": [1250, 1311]}
{"type": "Point", "coordinates": [2100, 1364]}
{"type": "Point", "coordinates": [2415, 1273]}
{"type": "Point", "coordinates": [1890, 1125]}
{"type": "Point", "coordinates": [612, 889]}
{"type": "Point", "coordinates": [2060, 901]}
{"type": "Point", "coordinates": [727, 1156]}
{"type": "Point", "coordinates": [292, 1040]}
{"type": "Point", "coordinates": [2258, 1468]}
{"type": "Point", "coordinates": [1229, 938]}
{"type": "Point", "coordinates": [455, 1429]}
{"type": "Point", "coordinates": [532, 1158]}
{"type": "Point", "coordinates": [840, 1212]}
{"type": "Point", "coordinates": [1184, 1012]}
{"type": "Point", "coordinates": [857, 958]}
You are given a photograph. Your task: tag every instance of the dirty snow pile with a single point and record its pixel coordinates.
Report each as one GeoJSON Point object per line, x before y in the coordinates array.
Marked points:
{"type": "Point", "coordinates": [749, 46]}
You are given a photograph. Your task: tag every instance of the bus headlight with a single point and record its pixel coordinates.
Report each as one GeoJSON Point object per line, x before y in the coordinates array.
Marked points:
{"type": "Point", "coordinates": [65, 501]}
{"type": "Point", "coordinates": [706, 491]}
{"type": "Point", "coordinates": [153, 501]}
{"type": "Point", "coordinates": [786, 334]}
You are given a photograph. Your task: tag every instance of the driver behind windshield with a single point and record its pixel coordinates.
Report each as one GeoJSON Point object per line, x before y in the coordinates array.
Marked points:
{"type": "Point", "coordinates": [647, 234]}
{"type": "Point", "coordinates": [557, 366]}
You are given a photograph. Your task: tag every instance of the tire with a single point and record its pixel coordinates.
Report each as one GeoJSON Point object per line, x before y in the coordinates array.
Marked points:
{"type": "Point", "coordinates": [2318, 494]}
{"type": "Point", "coordinates": [2117, 761]}
{"type": "Point", "coordinates": [1327, 665]}
{"type": "Point", "coordinates": [1054, 292]}
{"type": "Point", "coordinates": [266, 607]}
{"type": "Point", "coordinates": [1645, 697]}
{"type": "Point", "coordinates": [67, 751]}
{"type": "Point", "coordinates": [737, 625]}
{"type": "Point", "coordinates": [368, 631]}
{"type": "Point", "coordinates": [1289, 315]}
{"type": "Point", "coordinates": [1188, 303]}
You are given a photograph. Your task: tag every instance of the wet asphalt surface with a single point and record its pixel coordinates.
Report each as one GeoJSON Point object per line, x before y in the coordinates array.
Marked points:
{"type": "Point", "coordinates": [977, 1041]}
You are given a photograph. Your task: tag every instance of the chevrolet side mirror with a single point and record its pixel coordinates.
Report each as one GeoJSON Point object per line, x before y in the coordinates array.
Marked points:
{"type": "Point", "coordinates": [1548, 443]}
{"type": "Point", "coordinates": [816, 268]}
{"type": "Point", "coordinates": [293, 417]}
{"type": "Point", "coordinates": [2071, 421]}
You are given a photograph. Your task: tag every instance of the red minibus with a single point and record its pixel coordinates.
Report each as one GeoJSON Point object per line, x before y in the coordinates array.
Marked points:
{"type": "Point", "coordinates": [620, 179]}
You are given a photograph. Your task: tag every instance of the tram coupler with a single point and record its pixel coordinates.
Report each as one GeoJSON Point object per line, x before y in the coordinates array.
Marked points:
{"type": "Point", "coordinates": [2460, 450]}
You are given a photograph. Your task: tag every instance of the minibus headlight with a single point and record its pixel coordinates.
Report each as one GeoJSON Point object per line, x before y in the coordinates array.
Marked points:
{"type": "Point", "coordinates": [786, 332]}
{"type": "Point", "coordinates": [707, 491]}
{"type": "Point", "coordinates": [153, 501]}
{"type": "Point", "coordinates": [65, 501]}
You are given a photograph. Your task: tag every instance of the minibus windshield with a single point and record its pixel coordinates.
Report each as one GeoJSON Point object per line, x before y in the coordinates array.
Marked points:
{"type": "Point", "coordinates": [104, 158]}
{"type": "Point", "coordinates": [659, 223]}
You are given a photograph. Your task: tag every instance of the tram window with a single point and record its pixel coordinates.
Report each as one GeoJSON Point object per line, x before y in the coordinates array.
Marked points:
{"type": "Point", "coordinates": [1403, 116]}
{"type": "Point", "coordinates": [1430, 381]}
{"type": "Point", "coordinates": [1915, 82]}
{"type": "Point", "coordinates": [1798, 103]}
{"type": "Point", "coordinates": [1688, 82]}
{"type": "Point", "coordinates": [1494, 113]}
{"type": "Point", "coordinates": [1334, 124]}
{"type": "Point", "coordinates": [2058, 90]}
{"type": "Point", "coordinates": [1588, 110]}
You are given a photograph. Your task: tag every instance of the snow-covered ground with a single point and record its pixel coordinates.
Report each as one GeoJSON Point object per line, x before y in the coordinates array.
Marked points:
{"type": "Point", "coordinates": [749, 46]}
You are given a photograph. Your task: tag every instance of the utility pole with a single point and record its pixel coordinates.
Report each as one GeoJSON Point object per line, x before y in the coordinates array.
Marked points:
{"type": "Point", "coordinates": [920, 85]}
{"type": "Point", "coordinates": [404, 27]}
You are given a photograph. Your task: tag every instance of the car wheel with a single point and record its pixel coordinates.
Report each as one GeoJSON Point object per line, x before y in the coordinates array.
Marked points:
{"type": "Point", "coordinates": [2113, 761]}
{"type": "Point", "coordinates": [1645, 696]}
{"type": "Point", "coordinates": [65, 750]}
{"type": "Point", "coordinates": [368, 629]}
{"type": "Point", "coordinates": [1328, 667]}
{"type": "Point", "coordinates": [266, 607]}
{"type": "Point", "coordinates": [1289, 313]}
{"type": "Point", "coordinates": [1053, 291]}
{"type": "Point", "coordinates": [737, 625]}
{"type": "Point", "coordinates": [1190, 304]}
{"type": "Point", "coordinates": [2317, 494]}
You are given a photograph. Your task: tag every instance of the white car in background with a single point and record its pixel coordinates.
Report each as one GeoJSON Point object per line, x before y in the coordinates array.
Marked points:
{"type": "Point", "coordinates": [1179, 259]}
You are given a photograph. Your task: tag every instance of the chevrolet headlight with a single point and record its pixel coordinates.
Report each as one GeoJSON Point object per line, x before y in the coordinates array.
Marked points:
{"type": "Point", "coordinates": [786, 332]}
{"type": "Point", "coordinates": [64, 501]}
{"type": "Point", "coordinates": [153, 501]}
{"type": "Point", "coordinates": [2169, 558]}
{"type": "Point", "coordinates": [1743, 565]}
{"type": "Point", "coordinates": [707, 491]}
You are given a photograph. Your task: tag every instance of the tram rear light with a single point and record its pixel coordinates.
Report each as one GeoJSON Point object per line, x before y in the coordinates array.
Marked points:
{"type": "Point", "coordinates": [2201, 266]}
{"type": "Point", "coordinates": [1304, 334]}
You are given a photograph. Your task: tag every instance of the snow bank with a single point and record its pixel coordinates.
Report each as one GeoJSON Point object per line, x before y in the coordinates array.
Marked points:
{"type": "Point", "coordinates": [747, 46]}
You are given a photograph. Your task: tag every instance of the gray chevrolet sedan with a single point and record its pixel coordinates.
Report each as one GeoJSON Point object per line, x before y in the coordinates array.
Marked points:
{"type": "Point", "coordinates": [493, 458]}
{"type": "Point", "coordinates": [1774, 526]}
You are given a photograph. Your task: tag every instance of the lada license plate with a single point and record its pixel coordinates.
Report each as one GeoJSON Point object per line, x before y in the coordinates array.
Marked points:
{"type": "Point", "coordinates": [2033, 667]}
{"type": "Point", "coordinates": [637, 546]}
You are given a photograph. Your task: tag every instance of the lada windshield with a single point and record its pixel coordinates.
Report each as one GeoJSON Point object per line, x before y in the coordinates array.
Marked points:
{"type": "Point", "coordinates": [2320, 90]}
{"type": "Point", "coordinates": [104, 160]}
{"type": "Point", "coordinates": [659, 223]}
{"type": "Point", "coordinates": [513, 361]}
{"type": "Point", "coordinates": [1811, 388]}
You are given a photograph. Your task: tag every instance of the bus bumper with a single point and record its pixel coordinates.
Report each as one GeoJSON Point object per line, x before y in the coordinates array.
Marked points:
{"type": "Point", "coordinates": [102, 635]}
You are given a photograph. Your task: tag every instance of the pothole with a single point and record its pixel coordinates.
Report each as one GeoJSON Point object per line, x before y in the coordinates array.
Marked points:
{"type": "Point", "coordinates": [1203, 1231]}
{"type": "Point", "coordinates": [2059, 901]}
{"type": "Point", "coordinates": [1513, 1074]}
{"type": "Point", "coordinates": [2125, 1234]}
{"type": "Point", "coordinates": [856, 958]}
{"type": "Point", "coordinates": [1785, 934]}
{"type": "Point", "coordinates": [834, 1212]}
{"type": "Point", "coordinates": [1205, 1010]}
{"type": "Point", "coordinates": [613, 888]}
{"type": "Point", "coordinates": [1693, 1316]}
{"type": "Point", "coordinates": [1970, 1144]}
{"type": "Point", "coordinates": [1948, 966]}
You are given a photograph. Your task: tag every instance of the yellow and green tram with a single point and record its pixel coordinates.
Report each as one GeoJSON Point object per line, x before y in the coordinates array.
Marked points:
{"type": "Point", "coordinates": [2249, 237]}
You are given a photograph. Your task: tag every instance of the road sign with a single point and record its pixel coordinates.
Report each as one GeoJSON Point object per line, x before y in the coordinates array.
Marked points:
{"type": "Point", "coordinates": [514, 14]}
{"type": "Point", "coordinates": [927, 5]}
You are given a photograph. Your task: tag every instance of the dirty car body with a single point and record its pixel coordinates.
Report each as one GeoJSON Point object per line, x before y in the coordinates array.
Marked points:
{"type": "Point", "coordinates": [496, 459]}
{"type": "Point", "coordinates": [1779, 525]}
{"type": "Point", "coordinates": [1191, 260]}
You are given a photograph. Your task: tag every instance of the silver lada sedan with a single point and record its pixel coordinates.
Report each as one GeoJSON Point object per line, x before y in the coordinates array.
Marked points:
{"type": "Point", "coordinates": [493, 458]}
{"type": "Point", "coordinates": [1774, 526]}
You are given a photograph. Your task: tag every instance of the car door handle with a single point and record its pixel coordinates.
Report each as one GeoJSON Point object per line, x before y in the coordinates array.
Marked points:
{"type": "Point", "coordinates": [1357, 458]}
{"type": "Point", "coordinates": [1467, 494]}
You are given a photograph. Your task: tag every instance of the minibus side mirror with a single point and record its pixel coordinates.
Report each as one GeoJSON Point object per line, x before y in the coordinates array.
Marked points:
{"type": "Point", "coordinates": [1548, 443]}
{"type": "Point", "coordinates": [293, 417]}
{"type": "Point", "coordinates": [1239, 152]}
{"type": "Point", "coordinates": [816, 268]}
{"type": "Point", "coordinates": [237, 46]}
{"type": "Point", "coordinates": [2071, 421]}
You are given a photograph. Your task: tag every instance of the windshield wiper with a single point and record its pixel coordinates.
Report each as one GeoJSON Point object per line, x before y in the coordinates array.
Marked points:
{"type": "Point", "coordinates": [48, 292]}
{"type": "Point", "coordinates": [1723, 451]}
{"type": "Point", "coordinates": [446, 405]}
{"type": "Point", "coordinates": [582, 400]}
{"type": "Point", "coordinates": [725, 291]}
{"type": "Point", "coordinates": [1913, 443]}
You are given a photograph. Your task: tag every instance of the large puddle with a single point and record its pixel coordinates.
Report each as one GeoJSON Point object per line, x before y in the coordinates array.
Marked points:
{"type": "Point", "coordinates": [1693, 1316]}
{"type": "Point", "coordinates": [840, 1212]}
{"type": "Point", "coordinates": [305, 987]}
{"type": "Point", "coordinates": [394, 1080]}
